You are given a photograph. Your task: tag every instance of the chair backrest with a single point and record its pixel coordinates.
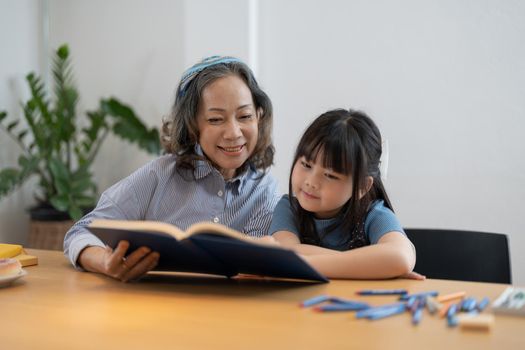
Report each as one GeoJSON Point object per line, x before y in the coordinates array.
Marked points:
{"type": "Point", "coordinates": [461, 255]}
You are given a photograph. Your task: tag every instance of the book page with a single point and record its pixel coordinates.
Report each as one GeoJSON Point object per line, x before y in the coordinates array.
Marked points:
{"type": "Point", "coordinates": [221, 230]}
{"type": "Point", "coordinates": [143, 226]}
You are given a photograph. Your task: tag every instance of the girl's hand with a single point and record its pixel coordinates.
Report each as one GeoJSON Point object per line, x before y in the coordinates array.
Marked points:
{"type": "Point", "coordinates": [269, 239]}
{"type": "Point", "coordinates": [414, 276]}
{"type": "Point", "coordinates": [116, 264]}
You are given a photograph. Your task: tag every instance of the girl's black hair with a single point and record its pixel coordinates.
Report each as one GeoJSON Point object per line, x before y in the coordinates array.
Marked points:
{"type": "Point", "coordinates": [350, 143]}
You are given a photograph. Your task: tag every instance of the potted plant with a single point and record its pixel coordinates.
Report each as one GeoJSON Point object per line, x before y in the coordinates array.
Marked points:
{"type": "Point", "coordinates": [59, 148]}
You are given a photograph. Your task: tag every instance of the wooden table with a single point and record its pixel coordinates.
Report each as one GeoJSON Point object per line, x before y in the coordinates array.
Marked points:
{"type": "Point", "coordinates": [56, 307]}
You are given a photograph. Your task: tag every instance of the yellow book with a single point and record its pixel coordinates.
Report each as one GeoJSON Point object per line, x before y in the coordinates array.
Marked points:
{"type": "Point", "coordinates": [26, 260]}
{"type": "Point", "coordinates": [10, 250]}
{"type": "Point", "coordinates": [17, 252]}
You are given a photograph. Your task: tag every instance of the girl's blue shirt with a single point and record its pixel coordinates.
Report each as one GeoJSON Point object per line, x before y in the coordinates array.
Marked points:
{"type": "Point", "coordinates": [379, 221]}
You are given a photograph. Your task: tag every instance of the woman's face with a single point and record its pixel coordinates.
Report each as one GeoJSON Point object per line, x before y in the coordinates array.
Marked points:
{"type": "Point", "coordinates": [228, 124]}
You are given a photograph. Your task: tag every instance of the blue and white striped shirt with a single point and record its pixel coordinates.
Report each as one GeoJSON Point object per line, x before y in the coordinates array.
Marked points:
{"type": "Point", "coordinates": [160, 192]}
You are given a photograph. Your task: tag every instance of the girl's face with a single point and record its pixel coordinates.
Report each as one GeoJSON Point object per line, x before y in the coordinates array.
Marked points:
{"type": "Point", "coordinates": [228, 123]}
{"type": "Point", "coordinates": [318, 189]}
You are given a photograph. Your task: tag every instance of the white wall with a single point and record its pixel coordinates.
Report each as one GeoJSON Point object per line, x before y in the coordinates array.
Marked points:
{"type": "Point", "coordinates": [20, 51]}
{"type": "Point", "coordinates": [443, 79]}
{"type": "Point", "coordinates": [132, 50]}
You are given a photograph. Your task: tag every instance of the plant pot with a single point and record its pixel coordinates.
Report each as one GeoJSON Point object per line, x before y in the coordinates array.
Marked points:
{"type": "Point", "coordinates": [48, 227]}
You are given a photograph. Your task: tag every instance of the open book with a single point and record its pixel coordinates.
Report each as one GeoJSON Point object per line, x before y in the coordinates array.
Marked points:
{"type": "Point", "coordinates": [206, 248]}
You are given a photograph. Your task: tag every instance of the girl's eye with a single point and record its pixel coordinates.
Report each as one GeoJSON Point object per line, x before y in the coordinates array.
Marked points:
{"type": "Point", "coordinates": [305, 164]}
{"type": "Point", "coordinates": [332, 176]}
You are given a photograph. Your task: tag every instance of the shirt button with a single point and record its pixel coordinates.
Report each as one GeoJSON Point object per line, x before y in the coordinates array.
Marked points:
{"type": "Point", "coordinates": [220, 193]}
{"type": "Point", "coordinates": [215, 219]}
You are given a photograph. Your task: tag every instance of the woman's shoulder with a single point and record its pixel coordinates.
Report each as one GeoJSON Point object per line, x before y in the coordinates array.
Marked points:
{"type": "Point", "coordinates": [161, 162]}
{"type": "Point", "coordinates": [259, 180]}
{"type": "Point", "coordinates": [158, 165]}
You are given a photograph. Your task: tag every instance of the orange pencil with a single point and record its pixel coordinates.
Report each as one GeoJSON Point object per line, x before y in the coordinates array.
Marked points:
{"type": "Point", "coordinates": [444, 308]}
{"type": "Point", "coordinates": [452, 296]}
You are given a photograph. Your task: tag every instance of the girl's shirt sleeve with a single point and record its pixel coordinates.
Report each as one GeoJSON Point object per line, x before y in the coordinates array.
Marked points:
{"type": "Point", "coordinates": [282, 219]}
{"type": "Point", "coordinates": [381, 220]}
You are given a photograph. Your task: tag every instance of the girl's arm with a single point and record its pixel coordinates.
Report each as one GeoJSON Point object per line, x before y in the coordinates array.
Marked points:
{"type": "Point", "coordinates": [392, 256]}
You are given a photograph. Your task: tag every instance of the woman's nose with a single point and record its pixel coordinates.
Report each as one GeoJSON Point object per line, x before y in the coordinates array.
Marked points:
{"type": "Point", "coordinates": [232, 130]}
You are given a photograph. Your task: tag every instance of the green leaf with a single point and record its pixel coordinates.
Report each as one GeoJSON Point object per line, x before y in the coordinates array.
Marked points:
{"type": "Point", "coordinates": [85, 201]}
{"type": "Point", "coordinates": [3, 115]}
{"type": "Point", "coordinates": [9, 179]}
{"type": "Point", "coordinates": [63, 51]}
{"type": "Point", "coordinates": [61, 176]}
{"type": "Point", "coordinates": [12, 125]}
{"type": "Point", "coordinates": [60, 202]}
{"type": "Point", "coordinates": [22, 134]}
{"type": "Point", "coordinates": [82, 184]}
{"type": "Point", "coordinates": [129, 127]}
{"type": "Point", "coordinates": [75, 212]}
{"type": "Point", "coordinates": [29, 165]}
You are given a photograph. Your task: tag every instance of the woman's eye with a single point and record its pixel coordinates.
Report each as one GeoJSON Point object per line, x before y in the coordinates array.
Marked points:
{"type": "Point", "coordinates": [214, 120]}
{"type": "Point", "coordinates": [246, 117]}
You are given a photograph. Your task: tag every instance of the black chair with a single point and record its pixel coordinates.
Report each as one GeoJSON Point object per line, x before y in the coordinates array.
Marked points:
{"type": "Point", "coordinates": [461, 255]}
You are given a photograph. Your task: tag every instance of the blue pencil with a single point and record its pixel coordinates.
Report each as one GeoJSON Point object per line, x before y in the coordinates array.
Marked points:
{"type": "Point", "coordinates": [382, 292]}
{"type": "Point", "coordinates": [377, 309]}
{"type": "Point", "coordinates": [411, 301]}
{"type": "Point", "coordinates": [468, 304]}
{"type": "Point", "coordinates": [342, 307]}
{"type": "Point", "coordinates": [315, 300]}
{"type": "Point", "coordinates": [386, 312]}
{"type": "Point", "coordinates": [452, 320]}
{"type": "Point", "coordinates": [431, 293]}
{"type": "Point", "coordinates": [416, 316]}
{"type": "Point", "coordinates": [483, 304]}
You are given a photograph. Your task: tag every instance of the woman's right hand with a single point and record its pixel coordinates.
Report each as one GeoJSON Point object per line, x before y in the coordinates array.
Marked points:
{"type": "Point", "coordinates": [116, 264]}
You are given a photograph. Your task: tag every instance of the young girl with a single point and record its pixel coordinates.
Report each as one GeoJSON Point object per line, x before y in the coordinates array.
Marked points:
{"type": "Point", "coordinates": [338, 215]}
{"type": "Point", "coordinates": [218, 145]}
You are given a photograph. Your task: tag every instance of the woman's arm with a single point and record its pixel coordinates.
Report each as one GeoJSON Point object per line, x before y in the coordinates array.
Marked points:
{"type": "Point", "coordinates": [392, 256]}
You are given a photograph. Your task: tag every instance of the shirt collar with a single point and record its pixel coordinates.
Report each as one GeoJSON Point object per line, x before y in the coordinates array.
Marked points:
{"type": "Point", "coordinates": [204, 168]}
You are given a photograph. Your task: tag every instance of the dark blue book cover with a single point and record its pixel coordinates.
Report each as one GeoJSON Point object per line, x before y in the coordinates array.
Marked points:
{"type": "Point", "coordinates": [206, 248]}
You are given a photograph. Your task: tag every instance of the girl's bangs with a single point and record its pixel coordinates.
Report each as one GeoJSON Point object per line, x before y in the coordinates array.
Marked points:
{"type": "Point", "coordinates": [334, 154]}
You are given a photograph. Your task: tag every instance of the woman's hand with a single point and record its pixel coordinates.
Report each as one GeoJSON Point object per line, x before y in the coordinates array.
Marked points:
{"type": "Point", "coordinates": [116, 264]}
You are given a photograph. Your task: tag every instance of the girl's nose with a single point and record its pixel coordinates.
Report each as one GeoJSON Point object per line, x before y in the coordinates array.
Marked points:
{"type": "Point", "coordinates": [232, 131]}
{"type": "Point", "coordinates": [311, 182]}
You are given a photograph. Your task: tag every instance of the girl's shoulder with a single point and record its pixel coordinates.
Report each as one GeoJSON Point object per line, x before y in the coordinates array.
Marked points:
{"type": "Point", "coordinates": [283, 207]}
{"type": "Point", "coordinates": [378, 206]}
{"type": "Point", "coordinates": [380, 212]}
{"type": "Point", "coordinates": [284, 200]}
{"type": "Point", "coordinates": [380, 220]}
